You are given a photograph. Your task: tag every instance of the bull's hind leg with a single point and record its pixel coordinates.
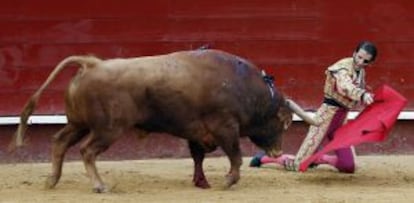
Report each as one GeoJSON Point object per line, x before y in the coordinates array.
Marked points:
{"type": "Point", "coordinates": [62, 140]}
{"type": "Point", "coordinates": [96, 143]}
{"type": "Point", "coordinates": [198, 154]}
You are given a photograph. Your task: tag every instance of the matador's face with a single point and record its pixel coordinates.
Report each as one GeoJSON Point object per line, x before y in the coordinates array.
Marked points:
{"type": "Point", "coordinates": [361, 59]}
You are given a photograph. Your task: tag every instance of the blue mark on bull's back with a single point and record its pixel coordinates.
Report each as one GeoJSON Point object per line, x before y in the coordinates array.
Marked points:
{"type": "Point", "coordinates": [239, 65]}
{"type": "Point", "coordinates": [242, 68]}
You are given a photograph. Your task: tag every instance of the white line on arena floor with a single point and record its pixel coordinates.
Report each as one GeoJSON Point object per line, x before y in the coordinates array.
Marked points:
{"type": "Point", "coordinates": [61, 119]}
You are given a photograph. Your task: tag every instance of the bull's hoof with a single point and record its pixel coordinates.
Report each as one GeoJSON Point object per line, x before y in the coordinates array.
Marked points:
{"type": "Point", "coordinates": [51, 182]}
{"type": "Point", "coordinates": [101, 189]}
{"type": "Point", "coordinates": [200, 180]}
{"type": "Point", "coordinates": [256, 160]}
{"type": "Point", "coordinates": [203, 186]}
{"type": "Point", "coordinates": [230, 180]}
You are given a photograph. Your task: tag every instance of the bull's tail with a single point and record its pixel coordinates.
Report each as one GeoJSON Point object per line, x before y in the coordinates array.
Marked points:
{"type": "Point", "coordinates": [82, 61]}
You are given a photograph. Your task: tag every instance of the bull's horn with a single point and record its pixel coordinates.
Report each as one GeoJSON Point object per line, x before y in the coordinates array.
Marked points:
{"type": "Point", "coordinates": [301, 113]}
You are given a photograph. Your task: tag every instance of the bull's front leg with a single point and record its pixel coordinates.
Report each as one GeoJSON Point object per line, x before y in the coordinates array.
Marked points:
{"type": "Point", "coordinates": [235, 158]}
{"type": "Point", "coordinates": [198, 154]}
{"type": "Point", "coordinates": [228, 138]}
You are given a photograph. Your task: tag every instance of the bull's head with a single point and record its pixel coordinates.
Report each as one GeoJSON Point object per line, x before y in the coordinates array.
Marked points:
{"type": "Point", "coordinates": [269, 137]}
{"type": "Point", "coordinates": [283, 121]}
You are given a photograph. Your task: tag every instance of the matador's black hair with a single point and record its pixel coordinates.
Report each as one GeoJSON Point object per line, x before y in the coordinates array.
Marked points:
{"type": "Point", "coordinates": [369, 47]}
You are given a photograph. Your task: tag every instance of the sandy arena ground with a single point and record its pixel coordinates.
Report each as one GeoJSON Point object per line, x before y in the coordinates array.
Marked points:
{"type": "Point", "coordinates": [378, 179]}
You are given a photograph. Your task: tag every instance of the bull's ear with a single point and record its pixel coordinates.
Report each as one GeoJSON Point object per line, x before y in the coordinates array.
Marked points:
{"type": "Point", "coordinates": [286, 124]}
{"type": "Point", "coordinates": [285, 116]}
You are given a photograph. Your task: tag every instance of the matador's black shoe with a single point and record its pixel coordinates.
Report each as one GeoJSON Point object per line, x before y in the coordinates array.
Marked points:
{"type": "Point", "coordinates": [256, 160]}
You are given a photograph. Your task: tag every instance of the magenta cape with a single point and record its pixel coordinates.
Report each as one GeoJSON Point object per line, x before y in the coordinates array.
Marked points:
{"type": "Point", "coordinates": [373, 124]}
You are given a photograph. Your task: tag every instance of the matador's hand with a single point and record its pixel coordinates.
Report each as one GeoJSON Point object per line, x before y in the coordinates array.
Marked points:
{"type": "Point", "coordinates": [290, 165]}
{"type": "Point", "coordinates": [367, 98]}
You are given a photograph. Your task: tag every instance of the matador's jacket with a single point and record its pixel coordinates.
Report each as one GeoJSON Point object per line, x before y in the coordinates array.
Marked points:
{"type": "Point", "coordinates": [344, 84]}
{"type": "Point", "coordinates": [344, 88]}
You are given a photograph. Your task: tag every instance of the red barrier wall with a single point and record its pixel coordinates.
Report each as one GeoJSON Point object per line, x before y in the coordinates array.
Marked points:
{"type": "Point", "coordinates": [295, 40]}
{"type": "Point", "coordinates": [129, 147]}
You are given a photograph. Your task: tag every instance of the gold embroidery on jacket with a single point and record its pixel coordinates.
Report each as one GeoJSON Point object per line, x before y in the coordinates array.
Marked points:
{"type": "Point", "coordinates": [344, 84]}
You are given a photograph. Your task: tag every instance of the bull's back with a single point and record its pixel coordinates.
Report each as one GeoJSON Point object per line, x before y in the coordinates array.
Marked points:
{"type": "Point", "coordinates": [180, 85]}
{"type": "Point", "coordinates": [194, 74]}
{"type": "Point", "coordinates": [215, 76]}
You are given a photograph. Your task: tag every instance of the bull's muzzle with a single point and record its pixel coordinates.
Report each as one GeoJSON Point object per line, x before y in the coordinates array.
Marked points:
{"type": "Point", "coordinates": [274, 153]}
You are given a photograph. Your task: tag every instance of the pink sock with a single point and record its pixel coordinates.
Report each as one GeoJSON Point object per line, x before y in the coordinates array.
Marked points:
{"type": "Point", "coordinates": [327, 159]}
{"type": "Point", "coordinates": [279, 160]}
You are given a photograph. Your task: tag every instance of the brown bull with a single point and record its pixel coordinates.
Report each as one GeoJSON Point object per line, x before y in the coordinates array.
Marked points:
{"type": "Point", "coordinates": [209, 97]}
